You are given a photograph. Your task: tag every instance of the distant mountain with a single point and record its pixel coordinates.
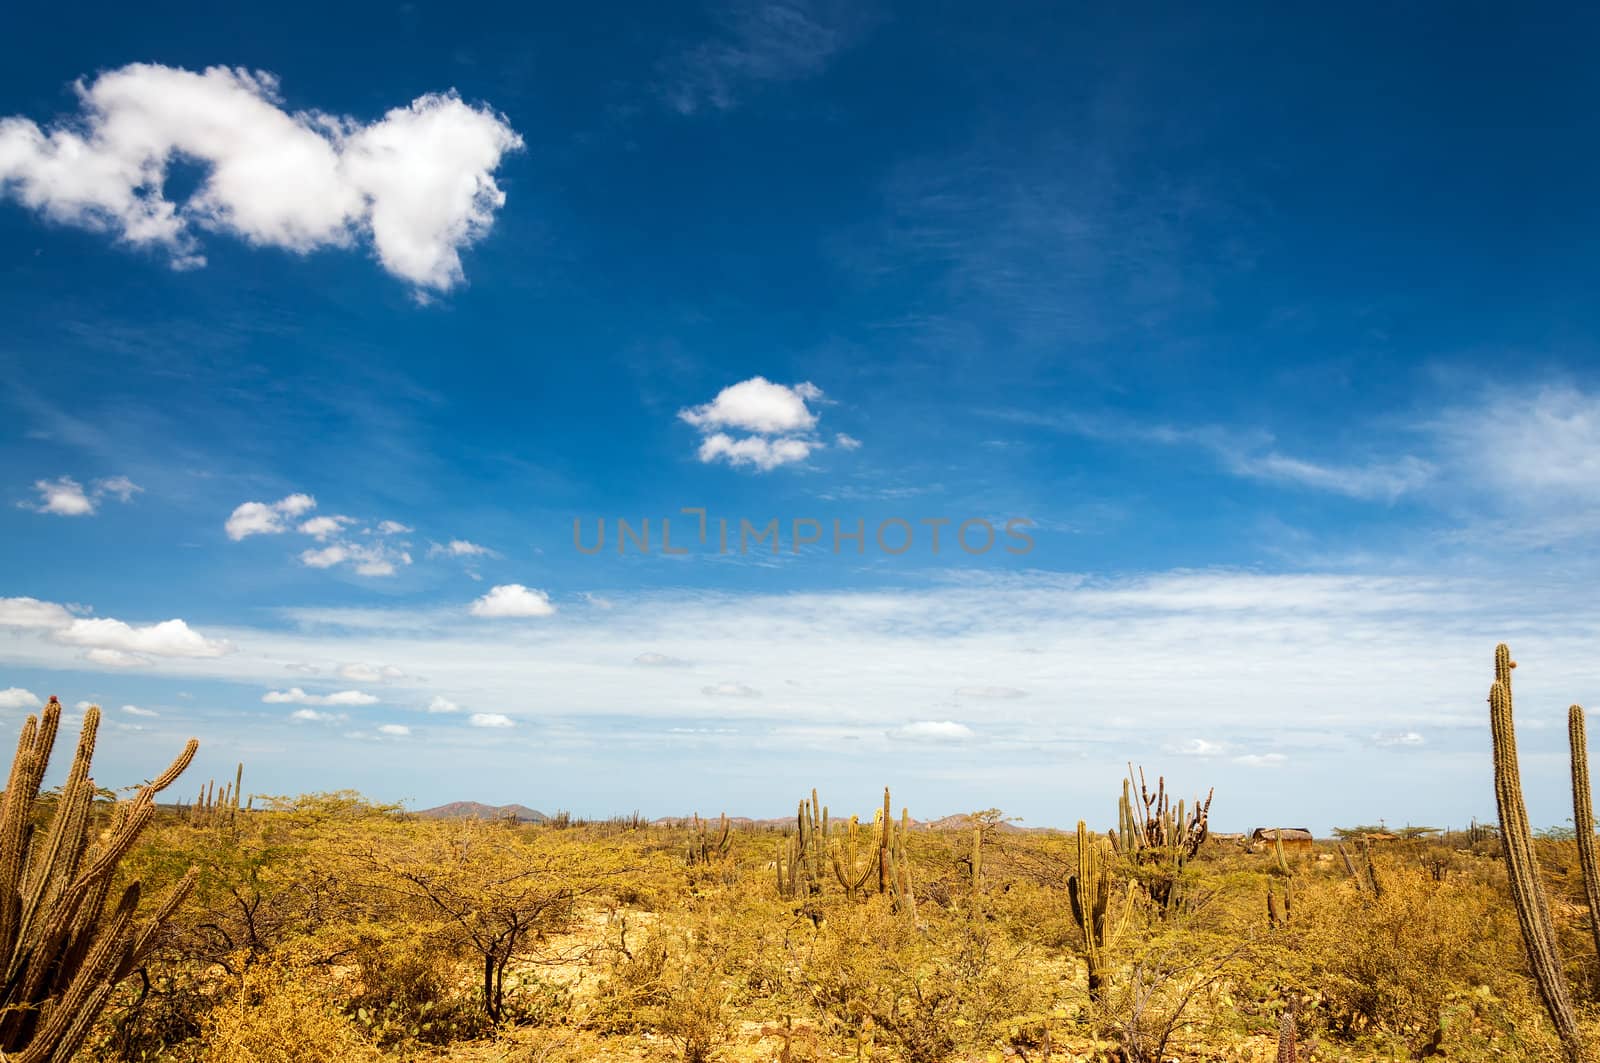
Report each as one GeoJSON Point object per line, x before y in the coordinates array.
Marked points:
{"type": "Point", "coordinates": [475, 810]}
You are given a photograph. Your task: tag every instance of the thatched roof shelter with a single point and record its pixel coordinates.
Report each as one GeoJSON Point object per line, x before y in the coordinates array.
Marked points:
{"type": "Point", "coordinates": [1293, 838]}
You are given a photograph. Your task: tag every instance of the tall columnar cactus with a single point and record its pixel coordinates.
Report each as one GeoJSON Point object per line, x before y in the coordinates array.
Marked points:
{"type": "Point", "coordinates": [851, 866]}
{"type": "Point", "coordinates": [800, 869]}
{"type": "Point", "coordinates": [1099, 915]}
{"type": "Point", "coordinates": [1527, 890]}
{"type": "Point", "coordinates": [63, 947]}
{"type": "Point", "coordinates": [894, 866]}
{"type": "Point", "coordinates": [1583, 817]}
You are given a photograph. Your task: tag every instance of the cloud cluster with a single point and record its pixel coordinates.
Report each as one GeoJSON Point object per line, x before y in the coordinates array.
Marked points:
{"type": "Point", "coordinates": [418, 183]}
{"type": "Point", "coordinates": [777, 422]}
{"type": "Point", "coordinates": [377, 555]}
{"type": "Point", "coordinates": [66, 497]}
{"type": "Point", "coordinates": [109, 642]}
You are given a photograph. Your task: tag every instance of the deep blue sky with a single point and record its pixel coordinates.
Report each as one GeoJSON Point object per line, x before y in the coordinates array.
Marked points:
{"type": "Point", "coordinates": [1280, 327]}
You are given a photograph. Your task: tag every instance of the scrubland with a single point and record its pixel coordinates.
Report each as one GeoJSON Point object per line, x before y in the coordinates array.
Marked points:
{"type": "Point", "coordinates": [327, 928]}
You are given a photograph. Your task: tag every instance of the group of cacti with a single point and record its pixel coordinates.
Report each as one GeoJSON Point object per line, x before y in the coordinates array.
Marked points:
{"type": "Point", "coordinates": [212, 808]}
{"type": "Point", "coordinates": [64, 944]}
{"type": "Point", "coordinates": [1522, 865]}
{"type": "Point", "coordinates": [705, 847]}
{"type": "Point", "coordinates": [1156, 836]}
{"type": "Point", "coordinates": [818, 845]}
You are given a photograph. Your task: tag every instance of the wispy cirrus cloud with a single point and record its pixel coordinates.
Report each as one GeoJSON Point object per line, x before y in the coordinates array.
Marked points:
{"type": "Point", "coordinates": [1251, 454]}
{"type": "Point", "coordinates": [757, 42]}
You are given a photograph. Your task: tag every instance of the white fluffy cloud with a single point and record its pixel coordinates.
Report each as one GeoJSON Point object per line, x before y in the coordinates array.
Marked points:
{"type": "Point", "coordinates": [757, 451]}
{"type": "Point", "coordinates": [296, 696]}
{"type": "Point", "coordinates": [169, 638]}
{"type": "Point", "coordinates": [758, 405]}
{"type": "Point", "coordinates": [777, 419]}
{"type": "Point", "coordinates": [442, 705]}
{"type": "Point", "coordinates": [134, 710]}
{"type": "Point", "coordinates": [313, 716]}
{"type": "Point", "coordinates": [513, 600]}
{"type": "Point", "coordinates": [1198, 747]}
{"type": "Point", "coordinates": [396, 730]}
{"type": "Point", "coordinates": [934, 731]}
{"type": "Point", "coordinates": [418, 183]}
{"type": "Point", "coordinates": [319, 528]}
{"type": "Point", "coordinates": [63, 497]}
{"type": "Point", "coordinates": [267, 518]}
{"type": "Point", "coordinates": [490, 719]}
{"type": "Point", "coordinates": [66, 497]}
{"type": "Point", "coordinates": [18, 698]}
{"type": "Point", "coordinates": [367, 559]}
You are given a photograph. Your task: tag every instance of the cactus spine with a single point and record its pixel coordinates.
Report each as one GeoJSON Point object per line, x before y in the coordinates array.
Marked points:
{"type": "Point", "coordinates": [1527, 891]}
{"type": "Point", "coordinates": [62, 945]}
{"type": "Point", "coordinates": [1091, 896]}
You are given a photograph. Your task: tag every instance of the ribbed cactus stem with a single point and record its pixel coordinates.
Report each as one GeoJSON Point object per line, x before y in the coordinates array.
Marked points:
{"type": "Point", "coordinates": [1527, 890]}
{"type": "Point", "coordinates": [62, 950]}
{"type": "Point", "coordinates": [1583, 817]}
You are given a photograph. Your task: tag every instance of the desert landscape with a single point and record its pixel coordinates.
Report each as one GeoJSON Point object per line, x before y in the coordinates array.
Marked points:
{"type": "Point", "coordinates": [799, 531]}
{"type": "Point", "coordinates": [329, 927]}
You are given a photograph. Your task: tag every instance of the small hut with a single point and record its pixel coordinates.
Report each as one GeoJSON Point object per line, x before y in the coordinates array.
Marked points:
{"type": "Point", "coordinates": [1294, 839]}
